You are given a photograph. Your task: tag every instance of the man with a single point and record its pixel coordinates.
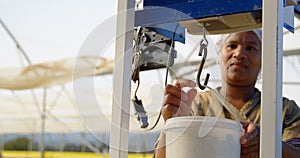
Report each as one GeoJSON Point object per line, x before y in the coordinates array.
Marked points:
{"type": "Point", "coordinates": [240, 63]}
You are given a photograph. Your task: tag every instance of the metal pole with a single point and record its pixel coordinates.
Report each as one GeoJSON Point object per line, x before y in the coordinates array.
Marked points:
{"type": "Point", "coordinates": [121, 80]}
{"type": "Point", "coordinates": [43, 119]}
{"type": "Point", "coordinates": [272, 56]}
{"type": "Point", "coordinates": [83, 146]}
{"type": "Point", "coordinates": [16, 42]}
{"type": "Point", "coordinates": [62, 145]}
{"type": "Point", "coordinates": [2, 142]}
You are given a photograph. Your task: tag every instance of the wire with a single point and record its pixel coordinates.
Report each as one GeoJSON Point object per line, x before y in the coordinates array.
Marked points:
{"type": "Point", "coordinates": [204, 34]}
{"type": "Point", "coordinates": [167, 71]}
{"type": "Point", "coordinates": [170, 52]}
{"type": "Point", "coordinates": [227, 106]}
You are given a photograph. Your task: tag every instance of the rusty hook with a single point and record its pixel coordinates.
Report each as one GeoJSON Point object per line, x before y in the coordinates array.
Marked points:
{"type": "Point", "coordinates": [203, 49]}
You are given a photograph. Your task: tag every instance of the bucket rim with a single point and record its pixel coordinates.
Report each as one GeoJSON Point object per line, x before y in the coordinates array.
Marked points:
{"type": "Point", "coordinates": [193, 121]}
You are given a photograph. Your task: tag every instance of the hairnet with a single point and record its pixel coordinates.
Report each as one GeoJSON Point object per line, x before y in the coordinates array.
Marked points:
{"type": "Point", "coordinates": [223, 38]}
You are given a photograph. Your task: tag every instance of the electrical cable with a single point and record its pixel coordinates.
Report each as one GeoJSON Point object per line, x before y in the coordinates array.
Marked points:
{"type": "Point", "coordinates": [167, 72]}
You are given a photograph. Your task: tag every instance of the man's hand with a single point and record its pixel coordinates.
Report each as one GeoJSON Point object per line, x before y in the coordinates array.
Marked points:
{"type": "Point", "coordinates": [250, 140]}
{"type": "Point", "coordinates": [177, 102]}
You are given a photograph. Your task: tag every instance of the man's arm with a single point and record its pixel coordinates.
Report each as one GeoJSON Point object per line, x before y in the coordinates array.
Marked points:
{"type": "Point", "coordinates": [250, 145]}
{"type": "Point", "coordinates": [176, 103]}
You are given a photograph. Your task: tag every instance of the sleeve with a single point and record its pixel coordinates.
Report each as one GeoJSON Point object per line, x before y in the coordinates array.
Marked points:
{"type": "Point", "coordinates": [291, 120]}
{"type": "Point", "coordinates": [295, 142]}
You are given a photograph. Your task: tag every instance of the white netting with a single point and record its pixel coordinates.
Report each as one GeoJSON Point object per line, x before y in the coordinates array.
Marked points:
{"type": "Point", "coordinates": [53, 73]}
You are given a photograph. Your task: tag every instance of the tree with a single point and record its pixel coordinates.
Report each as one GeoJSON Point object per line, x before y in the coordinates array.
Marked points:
{"type": "Point", "coordinates": [20, 143]}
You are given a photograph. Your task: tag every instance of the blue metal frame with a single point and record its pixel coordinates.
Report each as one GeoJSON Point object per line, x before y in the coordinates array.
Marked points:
{"type": "Point", "coordinates": [162, 2]}
{"type": "Point", "coordinates": [163, 15]}
{"type": "Point", "coordinates": [191, 9]}
{"type": "Point", "coordinates": [168, 30]}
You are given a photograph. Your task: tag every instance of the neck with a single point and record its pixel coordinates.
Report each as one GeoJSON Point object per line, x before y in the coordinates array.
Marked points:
{"type": "Point", "coordinates": [237, 95]}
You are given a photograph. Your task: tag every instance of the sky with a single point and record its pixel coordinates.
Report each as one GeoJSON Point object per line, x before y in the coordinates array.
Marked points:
{"type": "Point", "coordinates": [50, 30]}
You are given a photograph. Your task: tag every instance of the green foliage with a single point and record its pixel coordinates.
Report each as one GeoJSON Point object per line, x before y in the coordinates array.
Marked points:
{"type": "Point", "coordinates": [20, 143]}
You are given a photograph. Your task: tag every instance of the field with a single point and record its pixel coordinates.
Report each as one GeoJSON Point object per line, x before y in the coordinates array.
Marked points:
{"type": "Point", "coordinates": [33, 154]}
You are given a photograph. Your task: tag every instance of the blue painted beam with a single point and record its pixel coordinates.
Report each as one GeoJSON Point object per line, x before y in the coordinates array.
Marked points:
{"type": "Point", "coordinates": [158, 11]}
{"type": "Point", "coordinates": [162, 2]}
{"type": "Point", "coordinates": [168, 30]}
{"type": "Point", "coordinates": [163, 15]}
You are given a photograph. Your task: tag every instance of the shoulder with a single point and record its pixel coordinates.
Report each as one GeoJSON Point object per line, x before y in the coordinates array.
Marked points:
{"type": "Point", "coordinates": [290, 107]}
{"type": "Point", "coordinates": [291, 120]}
{"type": "Point", "coordinates": [290, 104]}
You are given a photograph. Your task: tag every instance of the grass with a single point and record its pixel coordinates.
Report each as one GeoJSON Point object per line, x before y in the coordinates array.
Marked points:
{"type": "Point", "coordinates": [36, 154]}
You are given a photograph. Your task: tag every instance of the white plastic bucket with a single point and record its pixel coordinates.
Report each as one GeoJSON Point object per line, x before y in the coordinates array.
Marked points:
{"type": "Point", "coordinates": [202, 137]}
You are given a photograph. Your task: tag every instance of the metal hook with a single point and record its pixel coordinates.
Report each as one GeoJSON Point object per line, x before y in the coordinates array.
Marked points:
{"type": "Point", "coordinates": [204, 34]}
{"type": "Point", "coordinates": [203, 47]}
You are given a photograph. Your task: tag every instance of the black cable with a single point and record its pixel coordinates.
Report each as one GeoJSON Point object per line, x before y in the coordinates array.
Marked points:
{"type": "Point", "coordinates": [167, 71]}
{"type": "Point", "coordinates": [170, 52]}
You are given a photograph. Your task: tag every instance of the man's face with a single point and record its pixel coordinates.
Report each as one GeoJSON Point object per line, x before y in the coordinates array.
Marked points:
{"type": "Point", "coordinates": [240, 58]}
